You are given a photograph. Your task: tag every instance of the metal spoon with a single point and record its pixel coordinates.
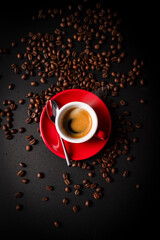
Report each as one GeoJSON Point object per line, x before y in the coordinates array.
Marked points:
{"type": "Point", "coordinates": [55, 110]}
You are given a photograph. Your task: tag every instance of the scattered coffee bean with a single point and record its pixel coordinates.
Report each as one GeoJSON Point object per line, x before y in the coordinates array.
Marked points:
{"type": "Point", "coordinates": [65, 201]}
{"type": "Point", "coordinates": [56, 224]}
{"type": "Point", "coordinates": [21, 101]}
{"type": "Point", "coordinates": [138, 186]}
{"type": "Point", "coordinates": [125, 173]}
{"type": "Point", "coordinates": [90, 174]}
{"type": "Point", "coordinates": [138, 125]}
{"type": "Point", "coordinates": [25, 180]}
{"type": "Point", "coordinates": [75, 208]}
{"type": "Point", "coordinates": [88, 203]}
{"type": "Point", "coordinates": [18, 195]}
{"type": "Point", "coordinates": [67, 189]}
{"type": "Point", "coordinates": [21, 130]}
{"type": "Point", "coordinates": [67, 181]}
{"type": "Point", "coordinates": [77, 192]}
{"type": "Point", "coordinates": [21, 173]}
{"type": "Point", "coordinates": [44, 199]}
{"type": "Point", "coordinates": [10, 86]}
{"type": "Point", "coordinates": [77, 186]}
{"type": "Point", "coordinates": [40, 175]}
{"type": "Point", "coordinates": [19, 207]}
{"type": "Point", "coordinates": [49, 188]}
{"type": "Point", "coordinates": [65, 176]}
{"type": "Point", "coordinates": [28, 148]}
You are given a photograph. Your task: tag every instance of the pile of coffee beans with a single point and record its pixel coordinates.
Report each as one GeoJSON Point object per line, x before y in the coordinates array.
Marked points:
{"type": "Point", "coordinates": [80, 53]}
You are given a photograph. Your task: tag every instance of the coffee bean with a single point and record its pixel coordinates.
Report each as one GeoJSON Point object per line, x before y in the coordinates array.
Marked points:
{"type": "Point", "coordinates": [65, 201]}
{"type": "Point", "coordinates": [49, 188]}
{"type": "Point", "coordinates": [88, 203]}
{"type": "Point", "coordinates": [34, 83]}
{"type": "Point", "coordinates": [97, 46]}
{"type": "Point", "coordinates": [10, 86]}
{"type": "Point", "coordinates": [138, 186]}
{"type": "Point", "coordinates": [21, 164]}
{"type": "Point", "coordinates": [40, 175]}
{"type": "Point", "coordinates": [77, 186]}
{"type": "Point", "coordinates": [67, 181]}
{"type": "Point", "coordinates": [67, 189]}
{"type": "Point", "coordinates": [75, 208]}
{"type": "Point", "coordinates": [18, 195]}
{"type": "Point", "coordinates": [28, 148]}
{"type": "Point", "coordinates": [44, 199]}
{"type": "Point", "coordinates": [21, 130]}
{"type": "Point", "coordinates": [21, 101]}
{"type": "Point", "coordinates": [21, 173]}
{"type": "Point", "coordinates": [65, 176]}
{"type": "Point", "coordinates": [125, 173]}
{"type": "Point", "coordinates": [19, 207]}
{"type": "Point", "coordinates": [77, 192]}
{"type": "Point", "coordinates": [96, 195]}
{"type": "Point", "coordinates": [56, 224]}
{"type": "Point", "coordinates": [138, 125]}
{"type": "Point", "coordinates": [90, 174]}
{"type": "Point", "coordinates": [25, 180]}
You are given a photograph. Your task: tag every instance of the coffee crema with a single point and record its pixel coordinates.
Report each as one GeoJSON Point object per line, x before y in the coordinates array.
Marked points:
{"type": "Point", "coordinates": [76, 122]}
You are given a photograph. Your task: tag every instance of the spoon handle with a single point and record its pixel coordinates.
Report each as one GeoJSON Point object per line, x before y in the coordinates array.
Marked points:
{"type": "Point", "coordinates": [65, 153]}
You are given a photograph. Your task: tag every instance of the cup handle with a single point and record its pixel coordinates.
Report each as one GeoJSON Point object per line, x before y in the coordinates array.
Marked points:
{"type": "Point", "coordinates": [100, 134]}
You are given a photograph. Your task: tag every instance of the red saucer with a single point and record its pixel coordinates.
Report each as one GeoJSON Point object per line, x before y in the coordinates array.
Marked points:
{"type": "Point", "coordinates": [76, 151]}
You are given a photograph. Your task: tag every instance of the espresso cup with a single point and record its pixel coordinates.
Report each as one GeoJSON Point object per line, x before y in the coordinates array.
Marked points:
{"type": "Point", "coordinates": [76, 122]}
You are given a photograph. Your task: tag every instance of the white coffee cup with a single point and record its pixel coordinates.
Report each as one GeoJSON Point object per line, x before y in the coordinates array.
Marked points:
{"type": "Point", "coordinates": [84, 106]}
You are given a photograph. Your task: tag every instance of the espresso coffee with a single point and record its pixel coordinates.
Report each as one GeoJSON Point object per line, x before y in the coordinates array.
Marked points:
{"type": "Point", "coordinates": [76, 122]}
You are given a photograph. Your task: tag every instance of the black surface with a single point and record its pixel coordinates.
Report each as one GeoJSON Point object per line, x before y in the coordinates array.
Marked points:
{"type": "Point", "coordinates": [124, 212]}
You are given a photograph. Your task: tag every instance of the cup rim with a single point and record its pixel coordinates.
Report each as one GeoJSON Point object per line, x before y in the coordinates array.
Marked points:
{"type": "Point", "coordinates": [84, 106]}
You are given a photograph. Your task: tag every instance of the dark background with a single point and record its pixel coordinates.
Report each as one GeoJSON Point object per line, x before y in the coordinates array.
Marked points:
{"type": "Point", "coordinates": [124, 212]}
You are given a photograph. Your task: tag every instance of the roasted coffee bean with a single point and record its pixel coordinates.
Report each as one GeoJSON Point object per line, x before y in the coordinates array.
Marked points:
{"type": "Point", "coordinates": [29, 137]}
{"type": "Point", "coordinates": [90, 174]}
{"type": "Point", "coordinates": [49, 188]}
{"type": "Point", "coordinates": [138, 186]}
{"type": "Point", "coordinates": [65, 176]}
{"type": "Point", "coordinates": [77, 186]}
{"type": "Point", "coordinates": [143, 101]}
{"type": "Point", "coordinates": [9, 136]}
{"type": "Point", "coordinates": [138, 125]}
{"type": "Point", "coordinates": [77, 192]}
{"type": "Point", "coordinates": [19, 207]}
{"type": "Point", "coordinates": [125, 173]}
{"type": "Point", "coordinates": [67, 189]}
{"type": "Point", "coordinates": [135, 139]}
{"type": "Point", "coordinates": [25, 180]}
{"type": "Point", "coordinates": [97, 46]}
{"type": "Point", "coordinates": [21, 101]}
{"type": "Point", "coordinates": [40, 175]}
{"type": "Point", "coordinates": [34, 83]}
{"type": "Point", "coordinates": [75, 208]}
{"type": "Point", "coordinates": [21, 164]}
{"type": "Point", "coordinates": [88, 203]}
{"type": "Point", "coordinates": [21, 173]}
{"type": "Point", "coordinates": [32, 142]}
{"type": "Point", "coordinates": [96, 195]}
{"type": "Point", "coordinates": [56, 224]}
{"type": "Point", "coordinates": [44, 199]}
{"type": "Point", "coordinates": [10, 86]}
{"type": "Point", "coordinates": [13, 131]}
{"type": "Point", "coordinates": [18, 194]}
{"type": "Point", "coordinates": [67, 181]}
{"type": "Point", "coordinates": [85, 181]}
{"type": "Point", "coordinates": [28, 148]}
{"type": "Point", "coordinates": [99, 189]}
{"type": "Point", "coordinates": [21, 130]}
{"type": "Point", "coordinates": [65, 201]}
